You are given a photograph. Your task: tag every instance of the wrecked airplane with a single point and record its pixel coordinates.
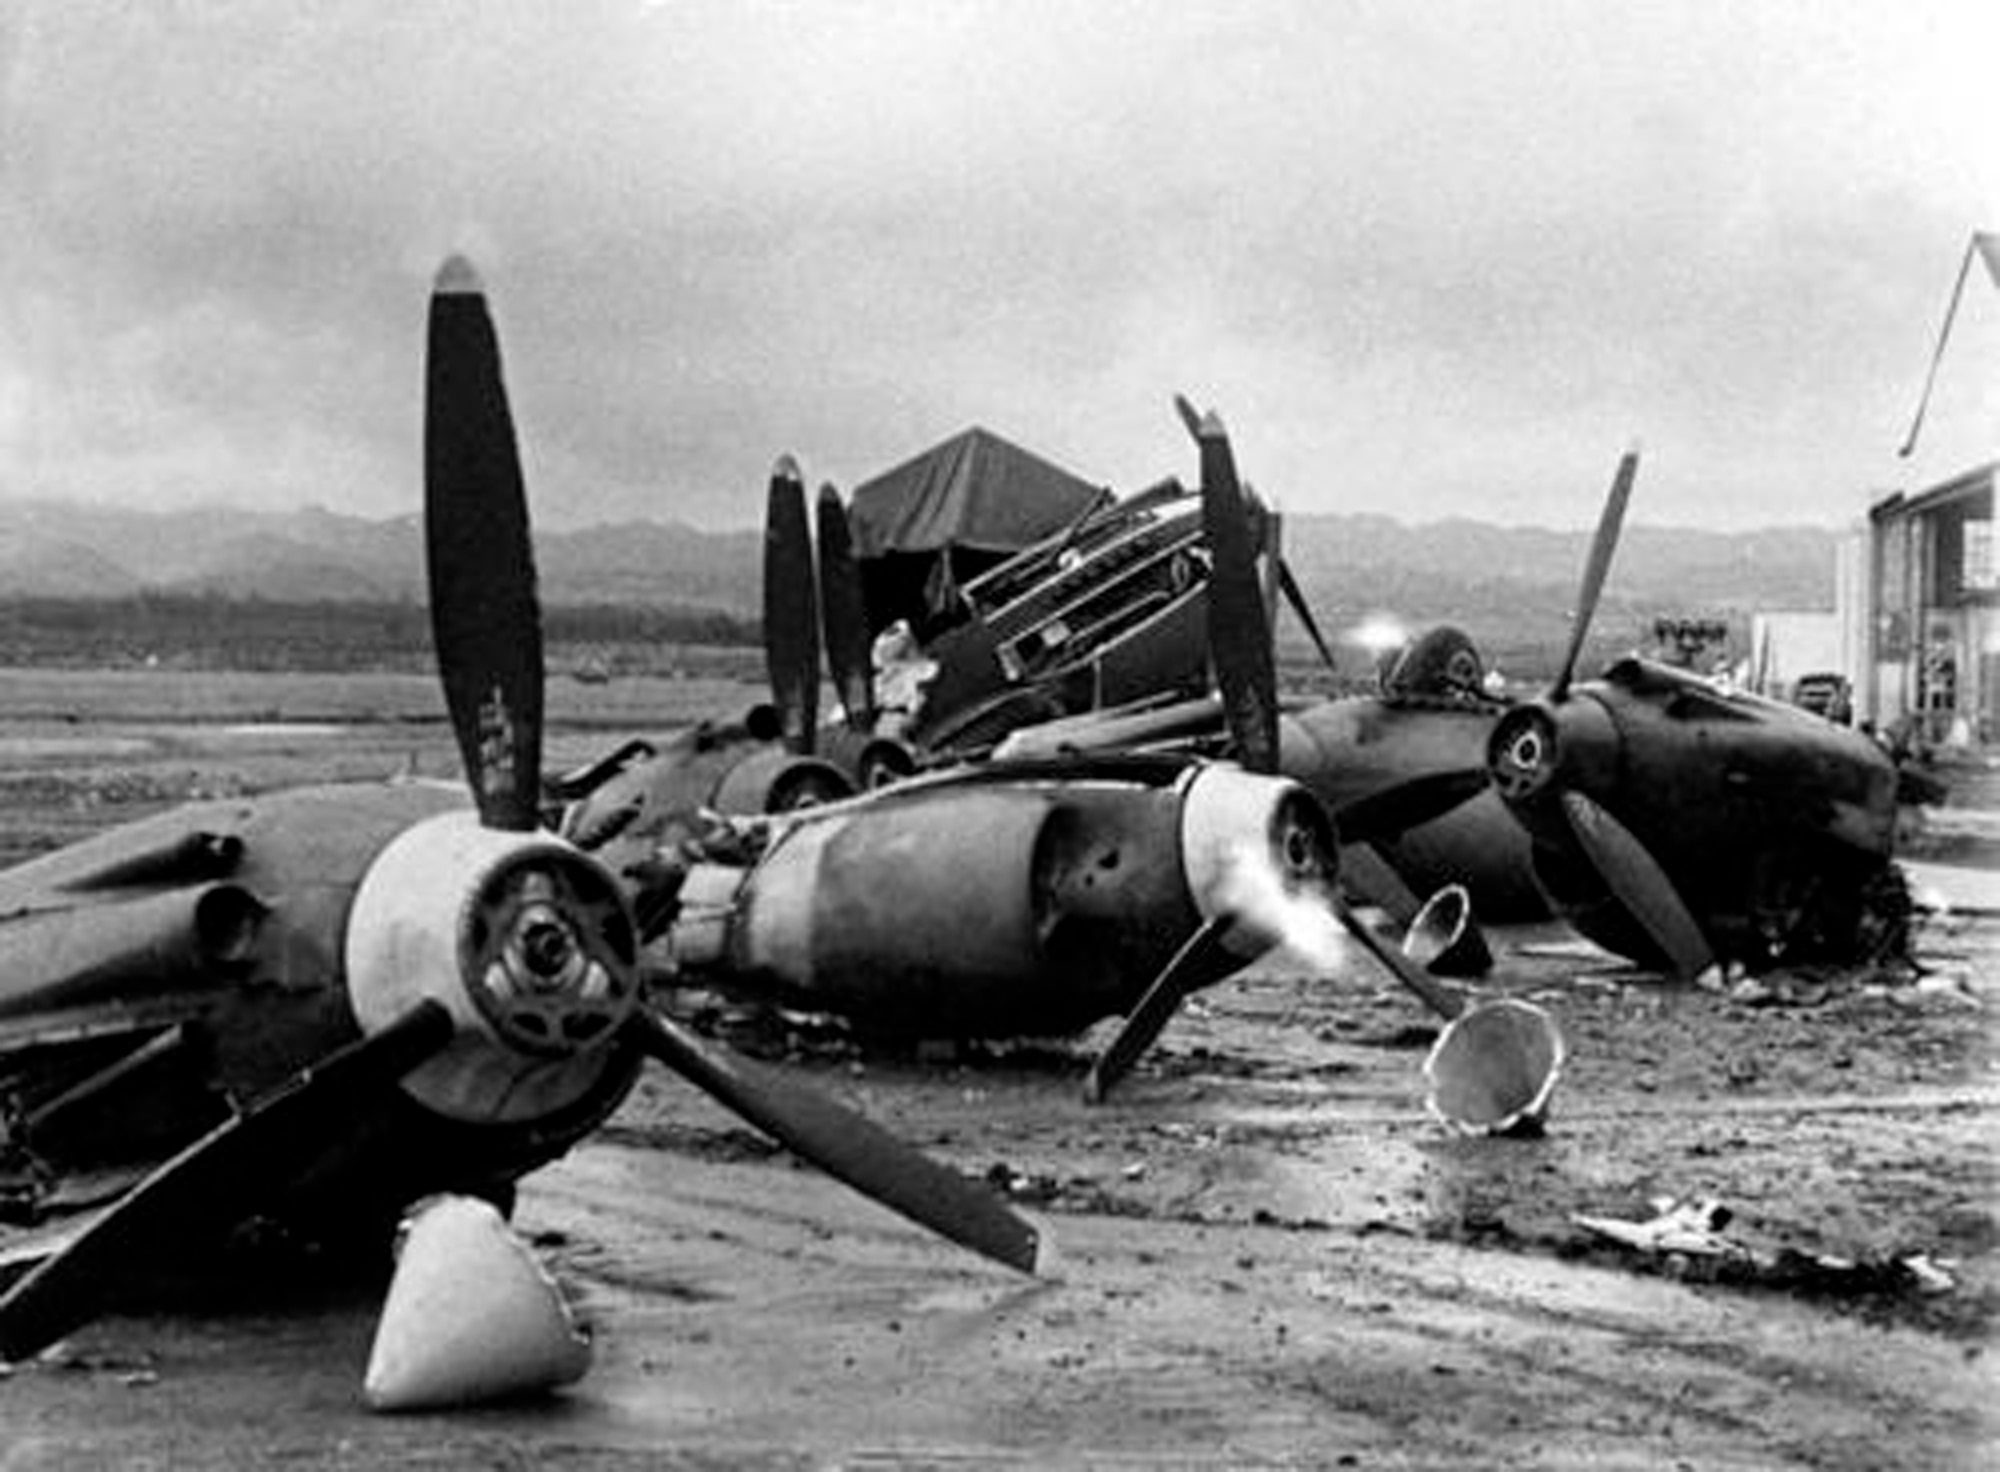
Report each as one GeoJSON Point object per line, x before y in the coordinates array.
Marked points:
{"type": "Point", "coordinates": [310, 1008]}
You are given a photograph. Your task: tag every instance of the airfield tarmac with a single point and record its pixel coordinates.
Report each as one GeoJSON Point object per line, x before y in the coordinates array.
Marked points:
{"type": "Point", "coordinates": [1272, 1256]}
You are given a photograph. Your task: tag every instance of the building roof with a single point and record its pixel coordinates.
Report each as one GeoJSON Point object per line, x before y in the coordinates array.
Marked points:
{"type": "Point", "coordinates": [1961, 487]}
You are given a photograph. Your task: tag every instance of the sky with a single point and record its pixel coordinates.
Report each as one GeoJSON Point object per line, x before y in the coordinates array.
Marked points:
{"type": "Point", "coordinates": [1430, 259]}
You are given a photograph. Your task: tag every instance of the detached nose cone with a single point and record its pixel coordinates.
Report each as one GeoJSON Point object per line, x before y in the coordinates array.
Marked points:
{"type": "Point", "coordinates": [1494, 1069]}
{"type": "Point", "coordinates": [471, 1316]}
{"type": "Point", "coordinates": [1445, 939]}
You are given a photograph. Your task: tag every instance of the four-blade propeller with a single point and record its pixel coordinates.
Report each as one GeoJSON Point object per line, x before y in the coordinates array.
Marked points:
{"type": "Point", "coordinates": [1495, 1064]}
{"type": "Point", "coordinates": [829, 1135]}
{"type": "Point", "coordinates": [1239, 634]}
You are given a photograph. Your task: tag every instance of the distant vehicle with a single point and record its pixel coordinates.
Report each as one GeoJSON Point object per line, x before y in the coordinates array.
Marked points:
{"type": "Point", "coordinates": [1825, 694]}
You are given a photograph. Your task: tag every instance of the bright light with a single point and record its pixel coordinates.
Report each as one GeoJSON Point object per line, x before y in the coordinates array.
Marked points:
{"type": "Point", "coordinates": [1378, 633]}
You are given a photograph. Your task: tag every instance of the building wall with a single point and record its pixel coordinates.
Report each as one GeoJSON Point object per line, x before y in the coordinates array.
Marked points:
{"type": "Point", "coordinates": [1934, 598]}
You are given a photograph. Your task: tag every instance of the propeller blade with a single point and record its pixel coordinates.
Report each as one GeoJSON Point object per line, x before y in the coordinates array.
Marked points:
{"type": "Point", "coordinates": [214, 1183]}
{"type": "Point", "coordinates": [1367, 875]}
{"type": "Point", "coordinates": [485, 622]}
{"type": "Point", "coordinates": [1637, 882]}
{"type": "Point", "coordinates": [1408, 972]}
{"type": "Point", "coordinates": [1270, 528]}
{"type": "Point", "coordinates": [843, 614]}
{"type": "Point", "coordinates": [791, 607]}
{"type": "Point", "coordinates": [1201, 961]}
{"type": "Point", "coordinates": [1408, 805]}
{"type": "Point", "coordinates": [1597, 568]}
{"type": "Point", "coordinates": [1239, 636]}
{"type": "Point", "coordinates": [849, 1147]}
{"type": "Point", "coordinates": [1295, 596]}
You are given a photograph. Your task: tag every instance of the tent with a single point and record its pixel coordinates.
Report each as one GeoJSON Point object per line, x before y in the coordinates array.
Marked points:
{"type": "Point", "coordinates": [923, 528]}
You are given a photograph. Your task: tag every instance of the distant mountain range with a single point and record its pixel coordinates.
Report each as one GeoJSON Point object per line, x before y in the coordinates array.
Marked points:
{"type": "Point", "coordinates": [54, 549]}
{"type": "Point", "coordinates": [1507, 583]}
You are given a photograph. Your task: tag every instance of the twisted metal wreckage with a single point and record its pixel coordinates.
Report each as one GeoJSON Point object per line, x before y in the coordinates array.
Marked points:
{"type": "Point", "coordinates": [312, 1008]}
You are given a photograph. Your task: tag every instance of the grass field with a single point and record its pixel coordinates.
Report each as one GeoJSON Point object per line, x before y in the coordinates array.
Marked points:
{"type": "Point", "coordinates": [81, 750]}
{"type": "Point", "coordinates": [122, 697]}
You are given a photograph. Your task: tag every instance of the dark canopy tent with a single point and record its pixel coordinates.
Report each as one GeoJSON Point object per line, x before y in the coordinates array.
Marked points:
{"type": "Point", "coordinates": [925, 527]}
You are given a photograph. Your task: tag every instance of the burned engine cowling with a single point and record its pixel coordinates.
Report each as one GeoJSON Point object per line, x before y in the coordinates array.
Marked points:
{"type": "Point", "coordinates": [1000, 909]}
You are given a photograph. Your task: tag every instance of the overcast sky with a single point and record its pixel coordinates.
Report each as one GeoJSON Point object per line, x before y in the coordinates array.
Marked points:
{"type": "Point", "coordinates": [1431, 259]}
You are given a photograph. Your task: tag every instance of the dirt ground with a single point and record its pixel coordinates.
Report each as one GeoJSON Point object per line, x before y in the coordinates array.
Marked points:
{"type": "Point", "coordinates": [1271, 1254]}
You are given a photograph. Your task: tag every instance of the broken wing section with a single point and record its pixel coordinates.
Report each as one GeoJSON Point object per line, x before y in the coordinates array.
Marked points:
{"type": "Point", "coordinates": [107, 960]}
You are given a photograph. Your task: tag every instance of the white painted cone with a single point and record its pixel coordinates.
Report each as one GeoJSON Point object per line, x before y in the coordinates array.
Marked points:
{"type": "Point", "coordinates": [471, 1316]}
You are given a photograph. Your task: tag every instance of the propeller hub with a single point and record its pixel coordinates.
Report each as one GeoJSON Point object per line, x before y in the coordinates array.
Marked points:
{"type": "Point", "coordinates": [524, 938]}
{"type": "Point", "coordinates": [547, 950]}
{"type": "Point", "coordinates": [1524, 753]}
{"type": "Point", "coordinates": [548, 953]}
{"type": "Point", "coordinates": [1547, 747]}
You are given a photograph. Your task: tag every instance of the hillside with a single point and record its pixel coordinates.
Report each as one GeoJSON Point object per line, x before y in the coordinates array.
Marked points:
{"type": "Point", "coordinates": [1511, 586]}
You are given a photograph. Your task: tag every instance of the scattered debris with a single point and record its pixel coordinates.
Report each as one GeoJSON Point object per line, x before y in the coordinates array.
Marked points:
{"type": "Point", "coordinates": [1682, 1233]}
{"type": "Point", "coordinates": [1680, 1226]}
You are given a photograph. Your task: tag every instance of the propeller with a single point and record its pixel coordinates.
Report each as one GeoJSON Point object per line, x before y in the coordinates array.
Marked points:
{"type": "Point", "coordinates": [843, 614]}
{"type": "Point", "coordinates": [1525, 1048]}
{"type": "Point", "coordinates": [1240, 643]}
{"type": "Point", "coordinates": [791, 608]}
{"type": "Point", "coordinates": [1537, 751]}
{"type": "Point", "coordinates": [487, 630]}
{"type": "Point", "coordinates": [1239, 639]}
{"type": "Point", "coordinates": [811, 1125]}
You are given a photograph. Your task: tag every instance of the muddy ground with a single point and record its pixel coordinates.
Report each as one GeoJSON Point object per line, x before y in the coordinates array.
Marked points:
{"type": "Point", "coordinates": [1272, 1255]}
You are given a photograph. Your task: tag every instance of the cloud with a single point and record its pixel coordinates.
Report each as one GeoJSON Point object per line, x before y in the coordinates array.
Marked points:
{"type": "Point", "coordinates": [1433, 260]}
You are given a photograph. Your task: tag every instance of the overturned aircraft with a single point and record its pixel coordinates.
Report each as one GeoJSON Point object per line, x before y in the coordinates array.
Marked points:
{"type": "Point", "coordinates": [311, 1008]}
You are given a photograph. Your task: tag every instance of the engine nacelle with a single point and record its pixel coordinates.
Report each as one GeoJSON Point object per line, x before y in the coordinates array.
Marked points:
{"type": "Point", "coordinates": [525, 939]}
{"type": "Point", "coordinates": [1005, 908]}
